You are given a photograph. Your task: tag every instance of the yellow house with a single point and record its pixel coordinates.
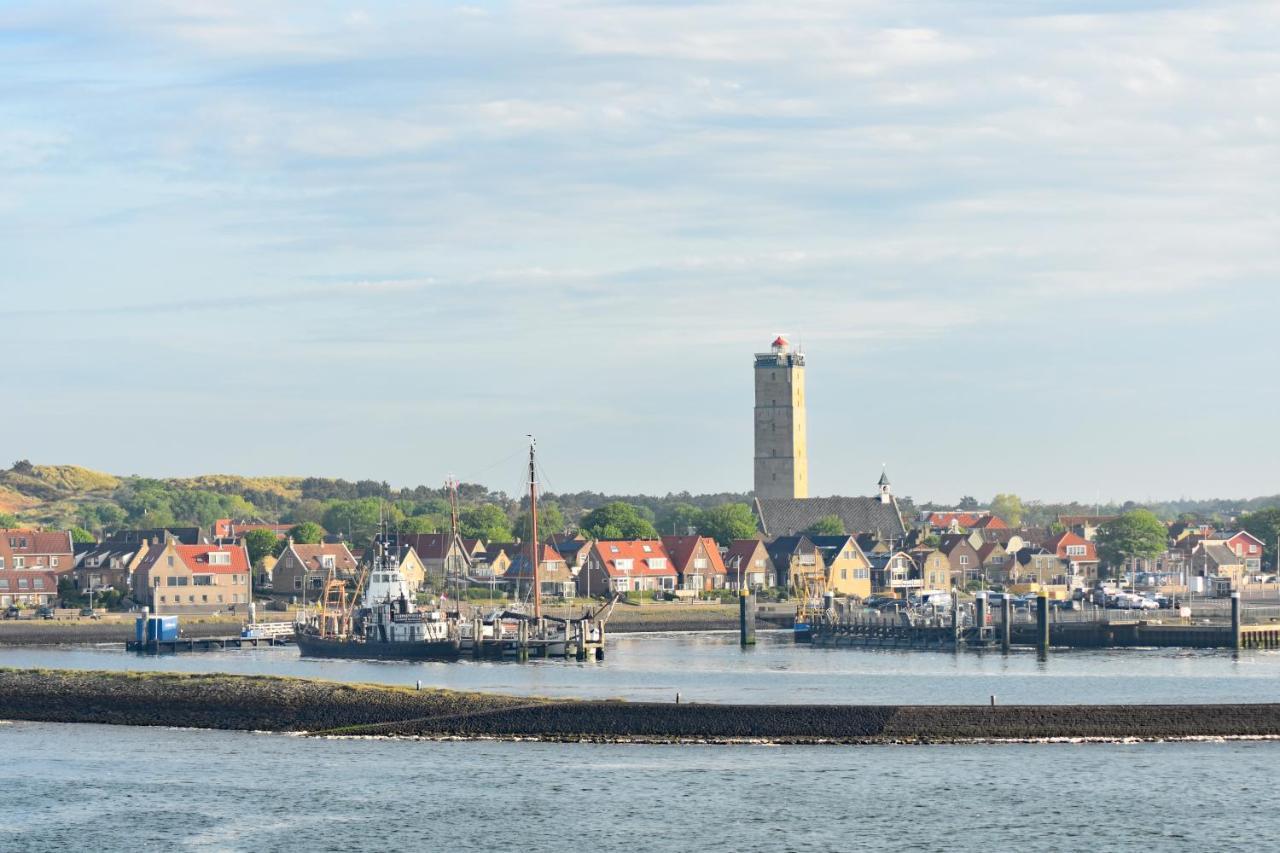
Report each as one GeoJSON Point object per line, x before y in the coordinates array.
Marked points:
{"type": "Point", "coordinates": [848, 571]}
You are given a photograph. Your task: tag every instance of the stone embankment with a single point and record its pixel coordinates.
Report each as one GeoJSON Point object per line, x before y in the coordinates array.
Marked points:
{"type": "Point", "coordinates": [318, 707]}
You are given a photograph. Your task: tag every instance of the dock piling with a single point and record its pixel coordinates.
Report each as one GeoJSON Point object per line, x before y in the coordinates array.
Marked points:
{"type": "Point", "coordinates": [1006, 617]}
{"type": "Point", "coordinates": [1042, 624]}
{"type": "Point", "coordinates": [1235, 621]}
{"type": "Point", "coordinates": [746, 618]}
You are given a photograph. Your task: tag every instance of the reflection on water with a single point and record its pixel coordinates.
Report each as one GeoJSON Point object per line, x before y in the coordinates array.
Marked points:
{"type": "Point", "coordinates": [710, 667]}
{"type": "Point", "coordinates": [159, 789]}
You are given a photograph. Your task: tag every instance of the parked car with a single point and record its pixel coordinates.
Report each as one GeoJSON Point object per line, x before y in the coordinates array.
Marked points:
{"type": "Point", "coordinates": [12, 612]}
{"type": "Point", "coordinates": [90, 612]}
{"type": "Point", "coordinates": [45, 613]}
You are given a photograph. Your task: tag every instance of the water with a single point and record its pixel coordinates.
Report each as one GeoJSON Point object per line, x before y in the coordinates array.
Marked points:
{"type": "Point", "coordinates": [710, 667]}
{"type": "Point", "coordinates": [149, 789]}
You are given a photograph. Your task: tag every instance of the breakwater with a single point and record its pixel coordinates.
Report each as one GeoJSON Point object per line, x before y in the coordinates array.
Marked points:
{"type": "Point", "coordinates": [257, 703]}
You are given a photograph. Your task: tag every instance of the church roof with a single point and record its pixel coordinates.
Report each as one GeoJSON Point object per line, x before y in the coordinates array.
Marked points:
{"type": "Point", "coordinates": [788, 516]}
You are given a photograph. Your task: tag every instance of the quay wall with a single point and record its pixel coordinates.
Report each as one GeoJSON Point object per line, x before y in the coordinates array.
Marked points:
{"type": "Point", "coordinates": [319, 707]}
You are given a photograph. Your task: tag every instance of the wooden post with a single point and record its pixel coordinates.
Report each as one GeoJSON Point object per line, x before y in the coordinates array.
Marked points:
{"type": "Point", "coordinates": [980, 614]}
{"type": "Point", "coordinates": [1006, 617]}
{"type": "Point", "coordinates": [746, 618]}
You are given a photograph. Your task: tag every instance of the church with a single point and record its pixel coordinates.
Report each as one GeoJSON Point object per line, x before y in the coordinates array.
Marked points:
{"type": "Point", "coordinates": [782, 503]}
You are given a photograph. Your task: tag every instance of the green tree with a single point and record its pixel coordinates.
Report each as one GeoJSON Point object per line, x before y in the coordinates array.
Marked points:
{"type": "Point", "coordinates": [485, 522]}
{"type": "Point", "coordinates": [1135, 534]}
{"type": "Point", "coordinates": [359, 519]}
{"type": "Point", "coordinates": [260, 543]}
{"type": "Point", "coordinates": [728, 522]}
{"type": "Point", "coordinates": [1265, 524]}
{"type": "Point", "coordinates": [306, 533]}
{"type": "Point", "coordinates": [8, 520]}
{"type": "Point", "coordinates": [828, 525]}
{"type": "Point", "coordinates": [678, 518]}
{"type": "Point", "coordinates": [423, 524]}
{"type": "Point", "coordinates": [550, 521]}
{"type": "Point", "coordinates": [80, 535]}
{"type": "Point", "coordinates": [617, 520]}
{"type": "Point", "coordinates": [968, 502]}
{"type": "Point", "coordinates": [1008, 507]}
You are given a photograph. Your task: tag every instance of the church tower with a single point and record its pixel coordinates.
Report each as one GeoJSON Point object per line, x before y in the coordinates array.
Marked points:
{"type": "Point", "coordinates": [782, 459]}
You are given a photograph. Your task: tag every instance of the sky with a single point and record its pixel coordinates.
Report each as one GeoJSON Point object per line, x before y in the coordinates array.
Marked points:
{"type": "Point", "coordinates": [1027, 247]}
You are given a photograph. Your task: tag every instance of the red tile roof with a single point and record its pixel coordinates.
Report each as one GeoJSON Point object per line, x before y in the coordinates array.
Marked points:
{"type": "Point", "coordinates": [37, 541]}
{"type": "Point", "coordinates": [945, 519]}
{"type": "Point", "coordinates": [683, 548]}
{"type": "Point", "coordinates": [990, 522]}
{"type": "Point", "coordinates": [310, 556]}
{"type": "Point", "coordinates": [196, 559]}
{"type": "Point", "coordinates": [643, 553]}
{"type": "Point", "coordinates": [430, 546]}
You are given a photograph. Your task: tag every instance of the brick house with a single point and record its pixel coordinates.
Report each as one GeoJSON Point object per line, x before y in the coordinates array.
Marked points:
{"type": "Point", "coordinates": [697, 562]}
{"type": "Point", "coordinates": [555, 580]}
{"type": "Point", "coordinates": [966, 566]}
{"type": "Point", "coordinates": [934, 568]}
{"type": "Point", "coordinates": [175, 578]}
{"type": "Point", "coordinates": [748, 559]}
{"type": "Point", "coordinates": [303, 569]}
{"type": "Point", "coordinates": [1248, 548]}
{"type": "Point", "coordinates": [442, 555]}
{"type": "Point", "coordinates": [37, 550]}
{"type": "Point", "coordinates": [99, 565]}
{"type": "Point", "coordinates": [622, 565]}
{"type": "Point", "coordinates": [1079, 557]}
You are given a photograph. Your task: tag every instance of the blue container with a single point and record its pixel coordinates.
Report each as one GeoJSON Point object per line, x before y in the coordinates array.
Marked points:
{"type": "Point", "coordinates": [154, 629]}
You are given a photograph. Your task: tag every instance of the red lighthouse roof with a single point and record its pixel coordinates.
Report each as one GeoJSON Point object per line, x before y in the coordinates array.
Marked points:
{"type": "Point", "coordinates": [780, 341]}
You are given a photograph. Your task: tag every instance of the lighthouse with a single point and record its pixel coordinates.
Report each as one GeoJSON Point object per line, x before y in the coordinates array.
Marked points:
{"type": "Point", "coordinates": [782, 459]}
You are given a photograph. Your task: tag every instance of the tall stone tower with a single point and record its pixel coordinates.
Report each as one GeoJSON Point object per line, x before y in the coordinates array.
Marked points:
{"type": "Point", "coordinates": [782, 459]}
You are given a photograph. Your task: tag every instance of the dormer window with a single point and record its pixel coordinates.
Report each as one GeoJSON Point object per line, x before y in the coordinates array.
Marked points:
{"type": "Point", "coordinates": [648, 549]}
{"type": "Point", "coordinates": [219, 558]}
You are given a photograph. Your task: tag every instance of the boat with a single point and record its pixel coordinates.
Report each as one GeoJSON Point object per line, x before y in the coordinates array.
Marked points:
{"type": "Point", "coordinates": [383, 621]}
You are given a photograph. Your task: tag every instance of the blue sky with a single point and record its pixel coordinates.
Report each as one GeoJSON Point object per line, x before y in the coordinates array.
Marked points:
{"type": "Point", "coordinates": [1028, 247]}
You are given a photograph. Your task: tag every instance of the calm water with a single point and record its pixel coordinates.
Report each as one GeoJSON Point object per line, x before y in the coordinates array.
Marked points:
{"type": "Point", "coordinates": [710, 667]}
{"type": "Point", "coordinates": [67, 787]}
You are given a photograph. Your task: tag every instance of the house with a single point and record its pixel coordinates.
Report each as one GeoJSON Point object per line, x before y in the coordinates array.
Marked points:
{"type": "Point", "coordinates": [797, 562]}
{"type": "Point", "coordinates": [952, 521]}
{"type": "Point", "coordinates": [1216, 559]}
{"type": "Point", "coordinates": [697, 562]}
{"type": "Point", "coordinates": [1248, 548]}
{"type": "Point", "coordinates": [626, 565]}
{"type": "Point", "coordinates": [966, 566]}
{"type": "Point", "coordinates": [989, 522]}
{"type": "Point", "coordinates": [176, 578]}
{"type": "Point", "coordinates": [894, 574]}
{"type": "Point", "coordinates": [877, 515]}
{"type": "Point", "coordinates": [474, 549]}
{"type": "Point", "coordinates": [846, 570]}
{"type": "Point", "coordinates": [573, 548]}
{"type": "Point", "coordinates": [303, 569]}
{"type": "Point", "coordinates": [934, 567]}
{"type": "Point", "coordinates": [1035, 565]}
{"type": "Point", "coordinates": [496, 559]}
{"type": "Point", "coordinates": [554, 578]}
{"type": "Point", "coordinates": [992, 557]}
{"type": "Point", "coordinates": [227, 530]}
{"type": "Point", "coordinates": [37, 550]}
{"type": "Point", "coordinates": [108, 564]}
{"type": "Point", "coordinates": [1079, 556]}
{"type": "Point", "coordinates": [181, 535]}
{"type": "Point", "coordinates": [1085, 526]}
{"type": "Point", "coordinates": [748, 560]}
{"type": "Point", "coordinates": [442, 555]}
{"type": "Point", "coordinates": [27, 587]}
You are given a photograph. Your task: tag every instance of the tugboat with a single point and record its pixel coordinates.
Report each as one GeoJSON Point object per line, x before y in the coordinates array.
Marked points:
{"type": "Point", "coordinates": [388, 626]}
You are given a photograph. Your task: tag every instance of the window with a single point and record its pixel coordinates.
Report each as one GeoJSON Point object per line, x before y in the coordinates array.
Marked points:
{"type": "Point", "coordinates": [844, 574]}
{"type": "Point", "coordinates": [622, 564]}
{"type": "Point", "coordinates": [964, 559]}
{"type": "Point", "coordinates": [657, 562]}
{"type": "Point", "coordinates": [204, 599]}
{"type": "Point", "coordinates": [162, 601]}
{"type": "Point", "coordinates": [647, 549]}
{"type": "Point", "coordinates": [19, 562]}
{"type": "Point", "coordinates": [861, 574]}
{"type": "Point", "coordinates": [4, 583]}
{"type": "Point", "coordinates": [326, 561]}
{"type": "Point", "coordinates": [701, 563]}
{"type": "Point", "coordinates": [202, 580]}
{"type": "Point", "coordinates": [23, 583]}
{"type": "Point", "coordinates": [1, 562]}
{"type": "Point", "coordinates": [297, 583]}
{"type": "Point", "coordinates": [171, 561]}
{"type": "Point", "coordinates": [53, 561]}
{"type": "Point", "coordinates": [1253, 549]}
{"type": "Point", "coordinates": [219, 599]}
{"type": "Point", "coordinates": [219, 558]}
{"type": "Point", "coordinates": [613, 549]}
{"type": "Point", "coordinates": [288, 561]}
{"type": "Point", "coordinates": [39, 583]}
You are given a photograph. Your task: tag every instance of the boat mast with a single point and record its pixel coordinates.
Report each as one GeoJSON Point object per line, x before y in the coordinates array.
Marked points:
{"type": "Point", "coordinates": [533, 529]}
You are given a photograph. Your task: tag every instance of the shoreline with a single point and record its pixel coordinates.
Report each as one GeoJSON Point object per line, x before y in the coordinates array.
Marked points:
{"type": "Point", "coordinates": [331, 709]}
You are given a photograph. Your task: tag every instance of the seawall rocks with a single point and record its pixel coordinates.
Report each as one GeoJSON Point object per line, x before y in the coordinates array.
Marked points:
{"type": "Point", "coordinates": [258, 703]}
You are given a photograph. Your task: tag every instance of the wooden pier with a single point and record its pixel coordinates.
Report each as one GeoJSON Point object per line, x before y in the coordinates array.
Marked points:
{"type": "Point", "coordinates": [205, 644]}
